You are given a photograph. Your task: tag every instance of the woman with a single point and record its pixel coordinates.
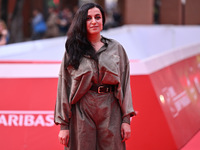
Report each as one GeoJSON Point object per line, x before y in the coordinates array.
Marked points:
{"type": "Point", "coordinates": [4, 35]}
{"type": "Point", "coordinates": [94, 103]}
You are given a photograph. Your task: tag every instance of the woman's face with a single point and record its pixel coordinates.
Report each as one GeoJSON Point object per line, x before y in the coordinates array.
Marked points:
{"type": "Point", "coordinates": [94, 21]}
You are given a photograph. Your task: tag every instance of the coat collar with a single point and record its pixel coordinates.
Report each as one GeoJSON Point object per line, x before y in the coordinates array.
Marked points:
{"type": "Point", "coordinates": [104, 47]}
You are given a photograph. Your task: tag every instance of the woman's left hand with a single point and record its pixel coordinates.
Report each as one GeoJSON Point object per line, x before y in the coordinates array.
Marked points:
{"type": "Point", "coordinates": [125, 131]}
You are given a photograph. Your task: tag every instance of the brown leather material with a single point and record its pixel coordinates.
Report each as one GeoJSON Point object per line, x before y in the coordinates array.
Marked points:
{"type": "Point", "coordinates": [94, 120]}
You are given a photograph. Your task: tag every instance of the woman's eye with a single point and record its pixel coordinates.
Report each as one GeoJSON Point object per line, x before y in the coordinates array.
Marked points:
{"type": "Point", "coordinates": [88, 18]}
{"type": "Point", "coordinates": [97, 17]}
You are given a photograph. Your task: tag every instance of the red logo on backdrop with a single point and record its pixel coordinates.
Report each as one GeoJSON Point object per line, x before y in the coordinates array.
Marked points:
{"type": "Point", "coordinates": [26, 118]}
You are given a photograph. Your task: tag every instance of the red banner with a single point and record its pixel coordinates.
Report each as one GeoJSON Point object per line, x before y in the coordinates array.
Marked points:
{"type": "Point", "coordinates": [167, 102]}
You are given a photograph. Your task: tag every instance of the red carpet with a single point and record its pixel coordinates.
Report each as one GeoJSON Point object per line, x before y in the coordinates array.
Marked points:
{"type": "Point", "coordinates": [194, 143]}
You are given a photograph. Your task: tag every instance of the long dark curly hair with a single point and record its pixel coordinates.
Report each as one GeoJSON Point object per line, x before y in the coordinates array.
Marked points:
{"type": "Point", "coordinates": [77, 44]}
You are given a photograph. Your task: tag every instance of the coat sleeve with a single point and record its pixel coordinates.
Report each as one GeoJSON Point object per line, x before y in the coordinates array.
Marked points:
{"type": "Point", "coordinates": [126, 96]}
{"type": "Point", "coordinates": [62, 111]}
{"type": "Point", "coordinates": [72, 85]}
{"type": "Point", "coordinates": [126, 106]}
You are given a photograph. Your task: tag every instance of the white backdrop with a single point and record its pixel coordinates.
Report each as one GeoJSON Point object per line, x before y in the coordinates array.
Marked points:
{"type": "Point", "coordinates": [139, 41]}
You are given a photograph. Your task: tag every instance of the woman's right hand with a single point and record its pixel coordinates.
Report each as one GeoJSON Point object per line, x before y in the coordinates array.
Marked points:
{"type": "Point", "coordinates": [63, 137]}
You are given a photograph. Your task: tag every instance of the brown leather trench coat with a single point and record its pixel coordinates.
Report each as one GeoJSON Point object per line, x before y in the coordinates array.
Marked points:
{"type": "Point", "coordinates": [87, 114]}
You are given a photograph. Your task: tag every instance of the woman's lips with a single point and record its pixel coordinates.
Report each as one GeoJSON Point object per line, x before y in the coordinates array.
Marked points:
{"type": "Point", "coordinates": [94, 27]}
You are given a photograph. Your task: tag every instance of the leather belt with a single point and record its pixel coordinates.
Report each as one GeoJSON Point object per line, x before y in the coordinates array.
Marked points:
{"type": "Point", "coordinates": [102, 88]}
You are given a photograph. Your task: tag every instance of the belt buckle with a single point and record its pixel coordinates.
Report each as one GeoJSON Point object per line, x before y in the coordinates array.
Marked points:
{"type": "Point", "coordinates": [99, 89]}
